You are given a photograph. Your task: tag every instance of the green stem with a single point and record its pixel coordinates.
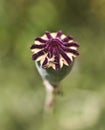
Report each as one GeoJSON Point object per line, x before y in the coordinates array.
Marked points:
{"type": "Point", "coordinates": [50, 96]}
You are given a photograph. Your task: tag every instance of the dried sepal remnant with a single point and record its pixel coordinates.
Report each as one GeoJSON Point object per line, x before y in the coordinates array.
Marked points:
{"type": "Point", "coordinates": [54, 50]}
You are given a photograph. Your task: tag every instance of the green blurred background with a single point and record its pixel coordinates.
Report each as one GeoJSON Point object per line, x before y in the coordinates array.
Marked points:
{"type": "Point", "coordinates": [22, 94]}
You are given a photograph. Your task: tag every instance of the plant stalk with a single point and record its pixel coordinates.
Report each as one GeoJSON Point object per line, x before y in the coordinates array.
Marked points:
{"type": "Point", "coordinates": [50, 95]}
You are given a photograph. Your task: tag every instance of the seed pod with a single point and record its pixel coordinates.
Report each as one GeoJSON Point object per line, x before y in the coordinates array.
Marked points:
{"type": "Point", "coordinates": [54, 55]}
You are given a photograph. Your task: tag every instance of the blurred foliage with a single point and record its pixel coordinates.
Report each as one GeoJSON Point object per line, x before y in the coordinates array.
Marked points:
{"type": "Point", "coordinates": [21, 91]}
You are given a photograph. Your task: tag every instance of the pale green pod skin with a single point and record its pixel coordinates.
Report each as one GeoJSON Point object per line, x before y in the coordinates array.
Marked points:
{"type": "Point", "coordinates": [54, 77]}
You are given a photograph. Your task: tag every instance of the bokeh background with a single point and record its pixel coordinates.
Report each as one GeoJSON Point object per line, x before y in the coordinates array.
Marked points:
{"type": "Point", "coordinates": [22, 94]}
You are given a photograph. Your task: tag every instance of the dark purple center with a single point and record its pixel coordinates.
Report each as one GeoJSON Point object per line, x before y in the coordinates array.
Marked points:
{"type": "Point", "coordinates": [53, 46]}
